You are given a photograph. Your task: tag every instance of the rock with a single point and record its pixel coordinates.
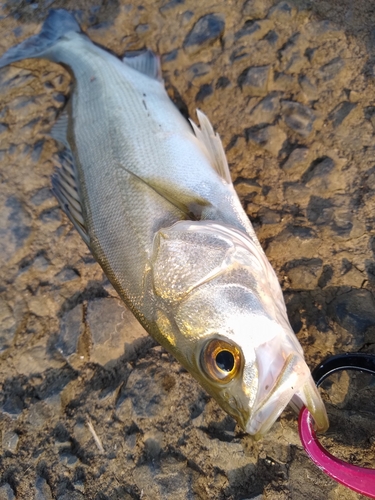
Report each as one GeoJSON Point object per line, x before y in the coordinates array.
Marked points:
{"type": "Point", "coordinates": [338, 115]}
{"type": "Point", "coordinates": [332, 69]}
{"type": "Point", "coordinates": [252, 31]}
{"type": "Point", "coordinates": [272, 38]}
{"type": "Point", "coordinates": [309, 89]}
{"type": "Point", "coordinates": [282, 82]}
{"type": "Point", "coordinates": [68, 460]}
{"type": "Point", "coordinates": [292, 58]}
{"type": "Point", "coordinates": [166, 481]}
{"type": "Point", "coordinates": [205, 32]}
{"type": "Point", "coordinates": [42, 306]}
{"type": "Point", "coordinates": [51, 217]}
{"type": "Point", "coordinates": [296, 160]}
{"type": "Point", "coordinates": [222, 82]}
{"type": "Point", "coordinates": [41, 196]}
{"type": "Point", "coordinates": [169, 56]}
{"type": "Point", "coordinates": [67, 274]}
{"type": "Point", "coordinates": [38, 415]}
{"type": "Point", "coordinates": [71, 495]}
{"type": "Point", "coordinates": [53, 401]}
{"type": "Point", "coordinates": [254, 80]}
{"type": "Point", "coordinates": [354, 311]}
{"type": "Point", "coordinates": [42, 489]}
{"type": "Point", "coordinates": [13, 406]}
{"type": "Point", "coordinates": [303, 273]}
{"type": "Point", "coordinates": [326, 276]}
{"type": "Point", "coordinates": [24, 106]}
{"type": "Point", "coordinates": [12, 77]}
{"type": "Point", "coordinates": [282, 12]}
{"type": "Point", "coordinates": [298, 117]}
{"type": "Point", "coordinates": [293, 62]}
{"type": "Point", "coordinates": [256, 9]}
{"type": "Point", "coordinates": [321, 167]}
{"type": "Point", "coordinates": [198, 69]}
{"type": "Point", "coordinates": [239, 53]}
{"type": "Point", "coordinates": [267, 110]}
{"type": "Point", "coordinates": [296, 241]}
{"type": "Point", "coordinates": [37, 151]}
{"type": "Point", "coordinates": [319, 210]}
{"type": "Point", "coordinates": [268, 216]}
{"type": "Point", "coordinates": [8, 325]}
{"type": "Point", "coordinates": [205, 91]}
{"type": "Point", "coordinates": [142, 28]}
{"type": "Point", "coordinates": [81, 433]}
{"type": "Point", "coordinates": [186, 16]}
{"type": "Point", "coordinates": [369, 113]}
{"type": "Point", "coordinates": [6, 492]}
{"type": "Point", "coordinates": [270, 138]}
{"type": "Point", "coordinates": [3, 127]}
{"type": "Point", "coordinates": [15, 227]}
{"type": "Point", "coordinates": [171, 5]}
{"type": "Point", "coordinates": [114, 330]}
{"type": "Point", "coordinates": [322, 30]}
{"type": "Point", "coordinates": [36, 359]}
{"type": "Point", "coordinates": [346, 266]}
{"type": "Point", "coordinates": [153, 441]}
{"type": "Point", "coordinates": [10, 441]}
{"type": "Point", "coordinates": [71, 329]}
{"type": "Point", "coordinates": [144, 388]}
{"type": "Point", "coordinates": [294, 191]}
{"type": "Point", "coordinates": [41, 264]}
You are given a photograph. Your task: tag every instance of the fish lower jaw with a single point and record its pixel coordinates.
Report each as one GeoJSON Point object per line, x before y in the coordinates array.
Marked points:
{"type": "Point", "coordinates": [296, 387]}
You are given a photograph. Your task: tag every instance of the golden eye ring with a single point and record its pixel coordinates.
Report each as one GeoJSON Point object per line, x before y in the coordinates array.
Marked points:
{"type": "Point", "coordinates": [221, 360]}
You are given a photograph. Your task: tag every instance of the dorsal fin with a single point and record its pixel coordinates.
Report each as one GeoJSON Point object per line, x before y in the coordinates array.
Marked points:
{"type": "Point", "coordinates": [65, 188]}
{"type": "Point", "coordinates": [59, 131]}
{"type": "Point", "coordinates": [145, 62]}
{"type": "Point", "coordinates": [213, 145]}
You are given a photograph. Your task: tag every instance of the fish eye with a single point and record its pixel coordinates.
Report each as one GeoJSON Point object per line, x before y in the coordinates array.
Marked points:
{"type": "Point", "coordinates": [221, 360]}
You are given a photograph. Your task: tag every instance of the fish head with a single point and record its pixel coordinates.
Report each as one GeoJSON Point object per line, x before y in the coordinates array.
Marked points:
{"type": "Point", "coordinates": [222, 314]}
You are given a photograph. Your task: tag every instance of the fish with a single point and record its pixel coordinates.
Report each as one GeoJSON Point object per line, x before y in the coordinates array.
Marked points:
{"type": "Point", "coordinates": [151, 195]}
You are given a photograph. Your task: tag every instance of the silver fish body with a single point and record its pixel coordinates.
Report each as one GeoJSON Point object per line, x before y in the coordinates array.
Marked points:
{"type": "Point", "coordinates": [151, 196]}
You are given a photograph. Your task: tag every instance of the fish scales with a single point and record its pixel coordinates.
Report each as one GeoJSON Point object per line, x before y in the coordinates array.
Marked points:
{"type": "Point", "coordinates": [152, 197]}
{"type": "Point", "coordinates": [116, 119]}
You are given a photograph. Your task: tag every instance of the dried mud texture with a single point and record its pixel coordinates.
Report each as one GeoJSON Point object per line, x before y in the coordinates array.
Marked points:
{"type": "Point", "coordinates": [290, 88]}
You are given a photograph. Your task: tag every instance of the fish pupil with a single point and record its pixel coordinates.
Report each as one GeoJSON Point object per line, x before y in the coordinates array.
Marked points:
{"type": "Point", "coordinates": [225, 361]}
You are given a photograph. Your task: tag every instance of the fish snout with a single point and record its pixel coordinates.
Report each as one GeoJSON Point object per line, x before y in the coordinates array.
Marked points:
{"type": "Point", "coordinates": [280, 384]}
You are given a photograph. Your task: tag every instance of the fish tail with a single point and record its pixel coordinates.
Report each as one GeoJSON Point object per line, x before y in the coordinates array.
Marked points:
{"type": "Point", "coordinates": [58, 23]}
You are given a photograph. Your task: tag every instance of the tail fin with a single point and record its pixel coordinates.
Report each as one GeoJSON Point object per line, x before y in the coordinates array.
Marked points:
{"type": "Point", "coordinates": [59, 22]}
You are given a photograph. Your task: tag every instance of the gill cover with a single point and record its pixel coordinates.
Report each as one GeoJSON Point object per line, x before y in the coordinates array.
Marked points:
{"type": "Point", "coordinates": [189, 254]}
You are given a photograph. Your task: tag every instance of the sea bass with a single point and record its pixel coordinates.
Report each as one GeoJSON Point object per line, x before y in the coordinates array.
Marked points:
{"type": "Point", "coordinates": [152, 197]}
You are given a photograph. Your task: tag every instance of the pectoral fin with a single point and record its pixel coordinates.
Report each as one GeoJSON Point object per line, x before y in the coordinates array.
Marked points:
{"type": "Point", "coordinates": [65, 188]}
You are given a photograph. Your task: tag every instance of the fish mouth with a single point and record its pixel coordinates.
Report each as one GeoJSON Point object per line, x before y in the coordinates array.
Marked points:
{"type": "Point", "coordinates": [295, 386]}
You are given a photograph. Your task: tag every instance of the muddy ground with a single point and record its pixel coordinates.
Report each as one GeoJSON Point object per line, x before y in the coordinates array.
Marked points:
{"type": "Point", "coordinates": [290, 88]}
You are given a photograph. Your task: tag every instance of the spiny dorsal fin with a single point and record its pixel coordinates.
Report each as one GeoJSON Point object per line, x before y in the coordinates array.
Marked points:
{"type": "Point", "coordinates": [145, 62]}
{"type": "Point", "coordinates": [65, 188]}
{"type": "Point", "coordinates": [59, 131]}
{"type": "Point", "coordinates": [213, 145]}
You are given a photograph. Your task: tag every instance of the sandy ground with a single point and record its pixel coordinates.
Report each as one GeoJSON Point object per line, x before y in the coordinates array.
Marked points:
{"type": "Point", "coordinates": [290, 88]}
